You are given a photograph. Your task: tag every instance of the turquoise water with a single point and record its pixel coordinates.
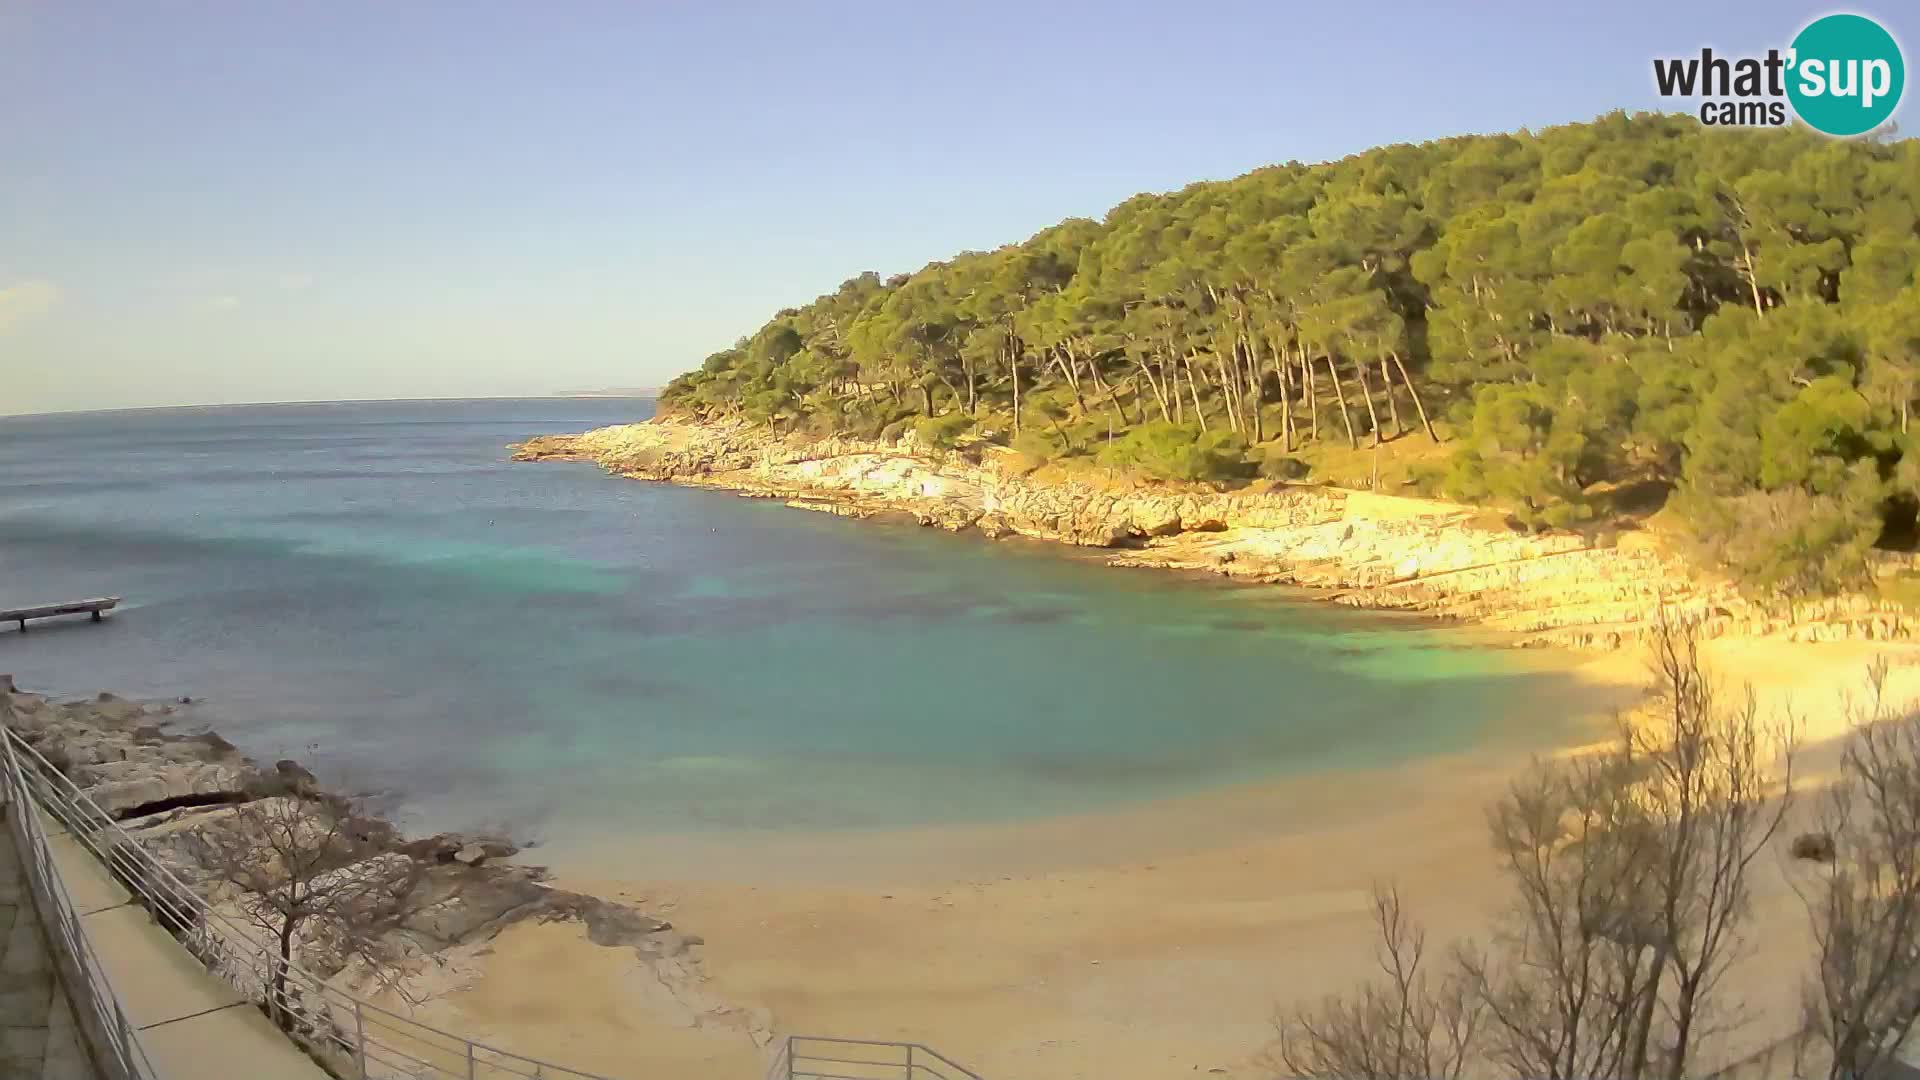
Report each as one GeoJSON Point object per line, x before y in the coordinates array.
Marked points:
{"type": "Point", "coordinates": [375, 588]}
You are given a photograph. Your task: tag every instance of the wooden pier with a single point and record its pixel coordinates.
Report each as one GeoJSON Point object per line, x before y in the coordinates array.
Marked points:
{"type": "Point", "coordinates": [47, 611]}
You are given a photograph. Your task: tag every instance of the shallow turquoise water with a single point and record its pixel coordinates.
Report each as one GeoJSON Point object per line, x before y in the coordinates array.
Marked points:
{"type": "Point", "coordinates": [374, 587]}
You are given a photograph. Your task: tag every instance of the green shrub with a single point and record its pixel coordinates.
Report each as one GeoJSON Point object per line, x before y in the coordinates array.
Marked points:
{"type": "Point", "coordinates": [830, 421]}
{"type": "Point", "coordinates": [1280, 465]}
{"type": "Point", "coordinates": [1791, 542]}
{"type": "Point", "coordinates": [1178, 453]}
{"type": "Point", "coordinates": [943, 432]}
{"type": "Point", "coordinates": [1428, 478]}
{"type": "Point", "coordinates": [1038, 445]}
{"type": "Point", "coordinates": [864, 418]}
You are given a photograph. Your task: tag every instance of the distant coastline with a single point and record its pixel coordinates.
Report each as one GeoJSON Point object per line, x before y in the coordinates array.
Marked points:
{"type": "Point", "coordinates": [612, 392]}
{"type": "Point", "coordinates": [636, 392]}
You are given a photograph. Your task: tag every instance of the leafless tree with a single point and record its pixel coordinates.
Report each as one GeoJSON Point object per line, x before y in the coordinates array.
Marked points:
{"type": "Point", "coordinates": [1630, 871]}
{"type": "Point", "coordinates": [1720, 785]}
{"type": "Point", "coordinates": [1863, 999]}
{"type": "Point", "coordinates": [1410, 1025]}
{"type": "Point", "coordinates": [1633, 871]}
{"type": "Point", "coordinates": [305, 870]}
{"type": "Point", "coordinates": [1565, 976]}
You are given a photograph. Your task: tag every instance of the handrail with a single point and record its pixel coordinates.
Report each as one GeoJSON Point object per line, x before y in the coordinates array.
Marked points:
{"type": "Point", "coordinates": [101, 1014]}
{"type": "Point", "coordinates": [354, 1036]}
{"type": "Point", "coordinates": [820, 1057]}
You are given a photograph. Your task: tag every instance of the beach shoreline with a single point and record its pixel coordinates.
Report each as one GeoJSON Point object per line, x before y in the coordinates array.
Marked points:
{"type": "Point", "coordinates": [1141, 942]}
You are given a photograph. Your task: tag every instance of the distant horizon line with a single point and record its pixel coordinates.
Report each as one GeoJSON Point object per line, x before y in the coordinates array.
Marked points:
{"type": "Point", "coordinates": [578, 395]}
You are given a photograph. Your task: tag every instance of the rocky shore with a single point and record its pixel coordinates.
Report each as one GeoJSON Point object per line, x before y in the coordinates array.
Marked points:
{"type": "Point", "coordinates": [166, 785]}
{"type": "Point", "coordinates": [1352, 547]}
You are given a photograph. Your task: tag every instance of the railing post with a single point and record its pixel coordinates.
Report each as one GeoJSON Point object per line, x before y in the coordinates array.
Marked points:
{"type": "Point", "coordinates": [176, 906]}
{"type": "Point", "coordinates": [909, 1061]}
{"type": "Point", "coordinates": [125, 1037]}
{"type": "Point", "coordinates": [790, 1054]}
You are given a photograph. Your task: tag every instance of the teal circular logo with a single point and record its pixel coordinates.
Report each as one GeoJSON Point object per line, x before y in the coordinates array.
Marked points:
{"type": "Point", "coordinates": [1846, 76]}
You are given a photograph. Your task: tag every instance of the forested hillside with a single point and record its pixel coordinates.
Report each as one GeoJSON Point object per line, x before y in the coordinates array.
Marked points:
{"type": "Point", "coordinates": [1543, 321]}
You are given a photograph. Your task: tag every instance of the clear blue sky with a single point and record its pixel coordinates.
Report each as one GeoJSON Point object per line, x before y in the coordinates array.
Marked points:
{"type": "Point", "coordinates": [221, 202]}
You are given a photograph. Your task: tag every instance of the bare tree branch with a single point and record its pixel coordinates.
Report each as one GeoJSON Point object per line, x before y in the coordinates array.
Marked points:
{"type": "Point", "coordinates": [1863, 1000]}
{"type": "Point", "coordinates": [1406, 1025]}
{"type": "Point", "coordinates": [1630, 876]}
{"type": "Point", "coordinates": [306, 873]}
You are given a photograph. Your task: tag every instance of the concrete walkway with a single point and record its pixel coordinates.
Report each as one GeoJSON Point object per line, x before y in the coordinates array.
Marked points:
{"type": "Point", "coordinates": [38, 1039]}
{"type": "Point", "coordinates": [192, 1023]}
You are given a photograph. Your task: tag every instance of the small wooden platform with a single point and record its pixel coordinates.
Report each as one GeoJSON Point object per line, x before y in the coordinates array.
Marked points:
{"type": "Point", "coordinates": [47, 611]}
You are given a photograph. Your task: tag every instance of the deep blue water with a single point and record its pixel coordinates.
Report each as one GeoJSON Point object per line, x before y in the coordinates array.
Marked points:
{"type": "Point", "coordinates": [374, 587]}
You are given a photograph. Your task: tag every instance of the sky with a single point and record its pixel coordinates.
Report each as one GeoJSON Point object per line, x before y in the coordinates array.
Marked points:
{"type": "Point", "coordinates": [210, 203]}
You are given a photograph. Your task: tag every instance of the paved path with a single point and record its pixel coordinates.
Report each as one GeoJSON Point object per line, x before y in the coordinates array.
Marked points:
{"type": "Point", "coordinates": [38, 1040]}
{"type": "Point", "coordinates": [192, 1023]}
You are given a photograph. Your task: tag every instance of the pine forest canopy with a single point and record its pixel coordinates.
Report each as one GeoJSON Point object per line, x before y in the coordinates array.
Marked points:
{"type": "Point", "coordinates": [1636, 303]}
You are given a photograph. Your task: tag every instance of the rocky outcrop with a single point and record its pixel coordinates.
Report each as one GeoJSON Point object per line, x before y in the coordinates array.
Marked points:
{"type": "Point", "coordinates": [167, 789]}
{"type": "Point", "coordinates": [1351, 547]}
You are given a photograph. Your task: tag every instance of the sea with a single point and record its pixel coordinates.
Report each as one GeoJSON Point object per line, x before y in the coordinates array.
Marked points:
{"type": "Point", "coordinates": [547, 649]}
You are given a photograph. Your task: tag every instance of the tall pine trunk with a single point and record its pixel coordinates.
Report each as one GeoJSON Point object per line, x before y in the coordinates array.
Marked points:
{"type": "Point", "coordinates": [1286, 408]}
{"type": "Point", "coordinates": [1133, 390]}
{"type": "Point", "coordinates": [1227, 393]}
{"type": "Point", "coordinates": [1159, 395]}
{"type": "Point", "coordinates": [1313, 394]}
{"type": "Point", "coordinates": [1340, 395]}
{"type": "Point", "coordinates": [1393, 403]}
{"type": "Point", "coordinates": [1415, 394]}
{"type": "Point", "coordinates": [1256, 392]}
{"type": "Point", "coordinates": [1013, 365]}
{"type": "Point", "coordinates": [1063, 358]}
{"type": "Point", "coordinates": [1193, 386]}
{"type": "Point", "coordinates": [1366, 393]}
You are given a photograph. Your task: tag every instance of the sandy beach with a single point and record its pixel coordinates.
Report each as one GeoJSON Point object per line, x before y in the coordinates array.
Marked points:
{"type": "Point", "coordinates": [1151, 942]}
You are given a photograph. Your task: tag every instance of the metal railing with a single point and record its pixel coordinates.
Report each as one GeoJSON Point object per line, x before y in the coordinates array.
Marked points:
{"type": "Point", "coordinates": [815, 1057]}
{"type": "Point", "coordinates": [98, 1010]}
{"type": "Point", "coordinates": [349, 1035]}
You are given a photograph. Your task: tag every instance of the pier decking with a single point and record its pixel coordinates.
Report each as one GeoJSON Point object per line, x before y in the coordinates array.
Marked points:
{"type": "Point", "coordinates": [92, 607]}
